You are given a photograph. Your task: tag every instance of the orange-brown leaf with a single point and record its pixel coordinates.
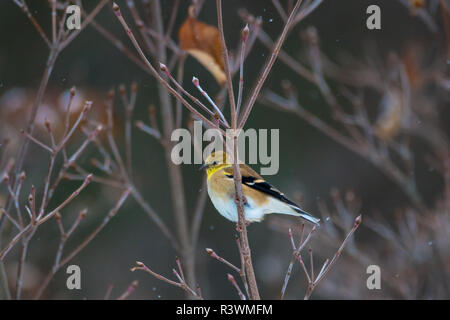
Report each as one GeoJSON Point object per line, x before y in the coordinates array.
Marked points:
{"type": "Point", "coordinates": [202, 41]}
{"type": "Point", "coordinates": [417, 3]}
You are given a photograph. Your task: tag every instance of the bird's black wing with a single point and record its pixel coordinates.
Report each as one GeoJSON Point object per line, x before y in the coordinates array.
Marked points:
{"type": "Point", "coordinates": [252, 180]}
{"type": "Point", "coordinates": [265, 187]}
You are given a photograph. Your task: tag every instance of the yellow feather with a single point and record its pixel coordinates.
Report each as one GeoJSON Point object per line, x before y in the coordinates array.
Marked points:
{"type": "Point", "coordinates": [213, 169]}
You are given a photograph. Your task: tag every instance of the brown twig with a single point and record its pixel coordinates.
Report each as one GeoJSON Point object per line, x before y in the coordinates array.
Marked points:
{"type": "Point", "coordinates": [42, 219]}
{"type": "Point", "coordinates": [254, 293]}
{"type": "Point", "coordinates": [255, 93]}
{"type": "Point", "coordinates": [295, 255]}
{"type": "Point", "coordinates": [214, 255]}
{"type": "Point", "coordinates": [153, 70]}
{"type": "Point", "coordinates": [64, 236]}
{"type": "Point", "coordinates": [56, 46]}
{"type": "Point", "coordinates": [181, 284]}
{"type": "Point", "coordinates": [326, 267]}
{"type": "Point", "coordinates": [233, 282]}
{"type": "Point", "coordinates": [129, 290]}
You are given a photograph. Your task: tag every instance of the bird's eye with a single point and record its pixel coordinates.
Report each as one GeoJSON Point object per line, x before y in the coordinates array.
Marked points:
{"type": "Point", "coordinates": [214, 163]}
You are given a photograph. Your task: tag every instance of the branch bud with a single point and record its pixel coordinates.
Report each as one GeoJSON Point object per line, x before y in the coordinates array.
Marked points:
{"type": "Point", "coordinates": [151, 110]}
{"type": "Point", "coordinates": [358, 220]}
{"type": "Point", "coordinates": [116, 9]}
{"type": "Point", "coordinates": [139, 264]}
{"type": "Point", "coordinates": [88, 178]}
{"type": "Point", "coordinates": [140, 24]}
{"type": "Point", "coordinates": [139, 124]}
{"type": "Point", "coordinates": [110, 94]}
{"type": "Point", "coordinates": [87, 106]}
{"type": "Point", "coordinates": [47, 125]}
{"type": "Point", "coordinates": [122, 90]}
{"type": "Point", "coordinates": [83, 213]}
{"type": "Point", "coordinates": [163, 67]}
{"type": "Point", "coordinates": [245, 33]}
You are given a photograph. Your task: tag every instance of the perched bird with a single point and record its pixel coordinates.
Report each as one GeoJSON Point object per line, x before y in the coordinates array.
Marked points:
{"type": "Point", "coordinates": [260, 197]}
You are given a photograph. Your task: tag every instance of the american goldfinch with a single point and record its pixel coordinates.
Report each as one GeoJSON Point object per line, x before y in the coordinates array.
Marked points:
{"type": "Point", "coordinates": [260, 197]}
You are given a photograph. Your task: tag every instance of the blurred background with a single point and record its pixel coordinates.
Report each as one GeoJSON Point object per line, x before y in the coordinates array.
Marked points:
{"type": "Point", "coordinates": [405, 233]}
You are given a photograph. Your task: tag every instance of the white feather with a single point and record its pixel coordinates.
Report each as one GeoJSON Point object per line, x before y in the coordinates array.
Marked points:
{"type": "Point", "coordinates": [228, 209]}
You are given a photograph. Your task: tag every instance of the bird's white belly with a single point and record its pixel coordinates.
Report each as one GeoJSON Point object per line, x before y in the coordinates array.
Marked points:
{"type": "Point", "coordinates": [228, 209]}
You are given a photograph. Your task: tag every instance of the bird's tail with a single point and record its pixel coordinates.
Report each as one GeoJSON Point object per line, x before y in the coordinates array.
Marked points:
{"type": "Point", "coordinates": [282, 207]}
{"type": "Point", "coordinates": [305, 215]}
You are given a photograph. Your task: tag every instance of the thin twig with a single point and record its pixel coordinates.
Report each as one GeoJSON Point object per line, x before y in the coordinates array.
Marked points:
{"type": "Point", "coordinates": [233, 282]}
{"type": "Point", "coordinates": [217, 257]}
{"type": "Point", "coordinates": [295, 255]}
{"type": "Point", "coordinates": [255, 93]}
{"type": "Point", "coordinates": [181, 284]}
{"type": "Point", "coordinates": [244, 39]}
{"type": "Point", "coordinates": [153, 70]}
{"type": "Point", "coordinates": [312, 283]}
{"type": "Point", "coordinates": [245, 248]}
{"type": "Point", "coordinates": [129, 290]}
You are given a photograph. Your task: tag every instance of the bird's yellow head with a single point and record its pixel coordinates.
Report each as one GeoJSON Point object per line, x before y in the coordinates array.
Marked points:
{"type": "Point", "coordinates": [216, 161]}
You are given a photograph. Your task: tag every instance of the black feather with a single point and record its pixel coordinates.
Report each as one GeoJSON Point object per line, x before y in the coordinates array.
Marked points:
{"type": "Point", "coordinates": [267, 188]}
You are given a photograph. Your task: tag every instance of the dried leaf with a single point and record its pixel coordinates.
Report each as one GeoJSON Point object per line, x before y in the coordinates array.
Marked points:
{"type": "Point", "coordinates": [411, 60]}
{"type": "Point", "coordinates": [202, 41]}
{"type": "Point", "coordinates": [417, 4]}
{"type": "Point", "coordinates": [389, 121]}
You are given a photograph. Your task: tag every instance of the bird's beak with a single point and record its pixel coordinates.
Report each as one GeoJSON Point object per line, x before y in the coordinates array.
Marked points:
{"type": "Point", "coordinates": [203, 166]}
